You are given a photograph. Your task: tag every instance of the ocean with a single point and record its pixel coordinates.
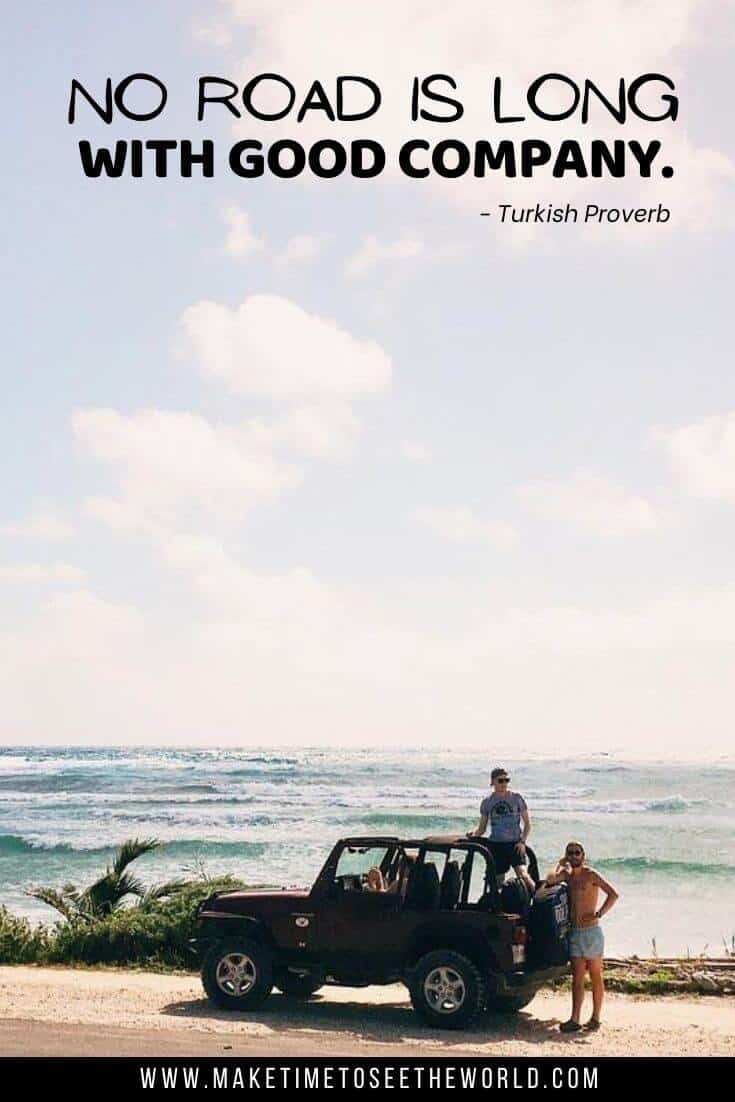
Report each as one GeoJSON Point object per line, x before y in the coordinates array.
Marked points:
{"type": "Point", "coordinates": [663, 832]}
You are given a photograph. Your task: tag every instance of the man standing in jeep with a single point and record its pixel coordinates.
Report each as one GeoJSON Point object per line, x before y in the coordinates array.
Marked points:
{"type": "Point", "coordinates": [510, 826]}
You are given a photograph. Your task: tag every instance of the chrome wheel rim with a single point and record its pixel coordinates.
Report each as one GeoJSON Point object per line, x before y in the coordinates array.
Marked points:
{"type": "Point", "coordinates": [444, 990]}
{"type": "Point", "coordinates": [236, 974]}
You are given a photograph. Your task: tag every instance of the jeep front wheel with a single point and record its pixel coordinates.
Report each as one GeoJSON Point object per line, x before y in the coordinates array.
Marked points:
{"type": "Point", "coordinates": [447, 989]}
{"type": "Point", "coordinates": [237, 974]}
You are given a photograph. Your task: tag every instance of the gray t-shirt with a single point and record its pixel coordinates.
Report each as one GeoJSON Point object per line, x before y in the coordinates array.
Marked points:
{"type": "Point", "coordinates": [504, 815]}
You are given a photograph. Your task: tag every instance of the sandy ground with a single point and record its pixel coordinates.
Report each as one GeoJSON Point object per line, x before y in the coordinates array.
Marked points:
{"type": "Point", "coordinates": [60, 1011]}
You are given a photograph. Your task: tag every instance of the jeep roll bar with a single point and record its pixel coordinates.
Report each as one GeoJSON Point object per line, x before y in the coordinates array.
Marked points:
{"type": "Point", "coordinates": [444, 842]}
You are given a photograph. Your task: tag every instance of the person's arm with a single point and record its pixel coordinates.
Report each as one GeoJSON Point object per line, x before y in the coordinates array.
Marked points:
{"type": "Point", "coordinates": [560, 875]}
{"type": "Point", "coordinates": [611, 896]}
{"type": "Point", "coordinates": [526, 829]}
{"type": "Point", "coordinates": [480, 828]}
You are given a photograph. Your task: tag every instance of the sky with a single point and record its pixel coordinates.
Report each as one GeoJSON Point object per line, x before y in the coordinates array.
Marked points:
{"type": "Point", "coordinates": [342, 462]}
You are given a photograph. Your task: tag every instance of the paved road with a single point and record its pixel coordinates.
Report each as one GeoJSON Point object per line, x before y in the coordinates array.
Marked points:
{"type": "Point", "coordinates": [24, 1038]}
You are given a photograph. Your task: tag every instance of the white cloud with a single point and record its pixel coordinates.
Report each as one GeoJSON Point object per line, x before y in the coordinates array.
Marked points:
{"type": "Point", "coordinates": [415, 451]}
{"type": "Point", "coordinates": [116, 514]}
{"type": "Point", "coordinates": [302, 248]}
{"type": "Point", "coordinates": [374, 253]}
{"type": "Point", "coordinates": [241, 241]}
{"type": "Point", "coordinates": [179, 466]}
{"type": "Point", "coordinates": [177, 469]}
{"type": "Point", "coordinates": [80, 669]}
{"type": "Point", "coordinates": [702, 455]}
{"type": "Point", "coordinates": [590, 503]}
{"type": "Point", "coordinates": [697, 193]}
{"type": "Point", "coordinates": [693, 617]}
{"type": "Point", "coordinates": [284, 657]}
{"type": "Point", "coordinates": [461, 525]}
{"type": "Point", "coordinates": [270, 347]}
{"type": "Point", "coordinates": [379, 35]}
{"type": "Point", "coordinates": [94, 616]}
{"type": "Point", "coordinates": [33, 572]}
{"type": "Point", "coordinates": [281, 603]}
{"type": "Point", "coordinates": [44, 524]}
{"type": "Point", "coordinates": [213, 33]}
{"type": "Point", "coordinates": [321, 430]}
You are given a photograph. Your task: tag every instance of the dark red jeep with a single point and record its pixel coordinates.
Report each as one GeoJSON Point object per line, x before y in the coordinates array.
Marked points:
{"type": "Point", "coordinates": [438, 923]}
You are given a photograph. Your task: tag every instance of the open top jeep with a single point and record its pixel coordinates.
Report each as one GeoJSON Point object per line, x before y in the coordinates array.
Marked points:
{"type": "Point", "coordinates": [440, 928]}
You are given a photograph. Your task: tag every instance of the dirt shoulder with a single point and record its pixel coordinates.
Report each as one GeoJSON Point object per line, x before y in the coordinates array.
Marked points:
{"type": "Point", "coordinates": [56, 1011]}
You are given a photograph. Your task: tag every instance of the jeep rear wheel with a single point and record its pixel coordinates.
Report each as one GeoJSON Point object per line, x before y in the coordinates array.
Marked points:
{"type": "Point", "coordinates": [447, 989]}
{"type": "Point", "coordinates": [295, 986]}
{"type": "Point", "coordinates": [237, 974]}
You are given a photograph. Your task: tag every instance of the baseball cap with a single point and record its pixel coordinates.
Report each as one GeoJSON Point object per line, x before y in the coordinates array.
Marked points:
{"type": "Point", "coordinates": [499, 772]}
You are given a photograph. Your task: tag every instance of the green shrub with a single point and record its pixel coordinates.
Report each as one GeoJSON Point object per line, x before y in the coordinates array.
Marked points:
{"type": "Point", "coordinates": [660, 982]}
{"type": "Point", "coordinates": [154, 934]}
{"type": "Point", "coordinates": [20, 941]}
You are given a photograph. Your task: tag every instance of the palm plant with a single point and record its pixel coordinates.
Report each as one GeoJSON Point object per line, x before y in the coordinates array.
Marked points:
{"type": "Point", "coordinates": [111, 890]}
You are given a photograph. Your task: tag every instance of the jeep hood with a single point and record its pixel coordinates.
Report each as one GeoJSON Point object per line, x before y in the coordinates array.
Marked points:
{"type": "Point", "coordinates": [257, 901]}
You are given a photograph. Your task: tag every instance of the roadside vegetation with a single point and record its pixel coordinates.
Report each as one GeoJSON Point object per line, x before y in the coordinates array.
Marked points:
{"type": "Point", "coordinates": [115, 920]}
{"type": "Point", "coordinates": [670, 976]}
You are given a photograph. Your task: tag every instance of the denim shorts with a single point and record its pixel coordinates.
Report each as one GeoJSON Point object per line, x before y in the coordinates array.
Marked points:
{"type": "Point", "coordinates": [587, 942]}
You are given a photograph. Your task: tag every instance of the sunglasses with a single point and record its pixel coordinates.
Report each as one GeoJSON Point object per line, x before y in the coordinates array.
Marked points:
{"type": "Point", "coordinates": [574, 853]}
{"type": "Point", "coordinates": [502, 780]}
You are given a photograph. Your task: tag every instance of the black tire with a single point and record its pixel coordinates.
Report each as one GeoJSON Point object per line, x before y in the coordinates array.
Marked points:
{"type": "Point", "coordinates": [295, 986]}
{"type": "Point", "coordinates": [508, 1004]}
{"type": "Point", "coordinates": [237, 973]}
{"type": "Point", "coordinates": [447, 989]}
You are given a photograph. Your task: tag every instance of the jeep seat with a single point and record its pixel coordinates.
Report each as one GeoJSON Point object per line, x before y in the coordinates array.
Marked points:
{"type": "Point", "coordinates": [423, 890]}
{"type": "Point", "coordinates": [450, 886]}
{"type": "Point", "coordinates": [515, 898]}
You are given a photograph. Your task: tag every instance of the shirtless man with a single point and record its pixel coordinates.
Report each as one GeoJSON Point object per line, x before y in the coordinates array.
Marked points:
{"type": "Point", "coordinates": [586, 941]}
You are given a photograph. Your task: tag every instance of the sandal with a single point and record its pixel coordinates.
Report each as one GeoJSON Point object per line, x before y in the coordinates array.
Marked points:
{"type": "Point", "coordinates": [570, 1027]}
